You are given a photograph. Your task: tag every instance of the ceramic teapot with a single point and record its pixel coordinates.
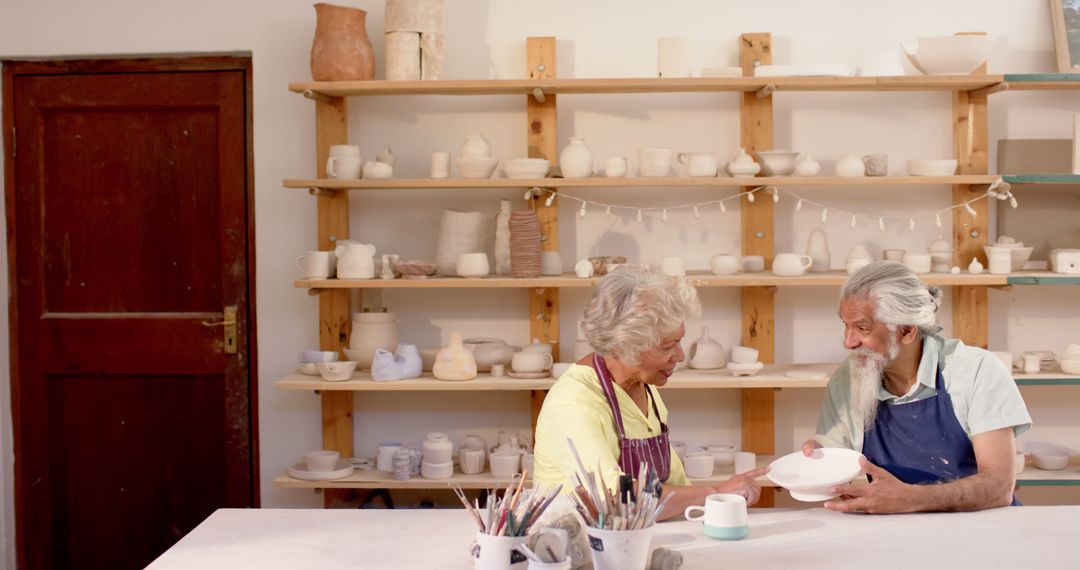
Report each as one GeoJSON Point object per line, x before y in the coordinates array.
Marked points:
{"type": "Point", "coordinates": [706, 353]}
{"type": "Point", "coordinates": [355, 261]}
{"type": "Point", "coordinates": [743, 165]}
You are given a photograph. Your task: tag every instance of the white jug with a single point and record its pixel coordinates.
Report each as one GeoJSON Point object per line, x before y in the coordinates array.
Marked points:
{"type": "Point", "coordinates": [698, 164]}
{"type": "Point", "coordinates": [355, 261]}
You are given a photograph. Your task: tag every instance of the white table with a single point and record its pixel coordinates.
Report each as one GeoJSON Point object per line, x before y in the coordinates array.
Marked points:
{"type": "Point", "coordinates": [1013, 538]}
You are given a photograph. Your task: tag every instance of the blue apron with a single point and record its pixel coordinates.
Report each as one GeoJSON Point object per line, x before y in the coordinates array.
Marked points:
{"type": "Point", "coordinates": [921, 442]}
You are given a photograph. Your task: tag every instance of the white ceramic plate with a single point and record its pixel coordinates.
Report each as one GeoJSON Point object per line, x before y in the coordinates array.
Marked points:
{"type": "Point", "coordinates": [807, 374]}
{"type": "Point", "coordinates": [299, 470]}
{"type": "Point", "coordinates": [809, 478]}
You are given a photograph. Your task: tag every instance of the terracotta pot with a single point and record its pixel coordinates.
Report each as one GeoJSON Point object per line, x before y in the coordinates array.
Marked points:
{"type": "Point", "coordinates": [341, 50]}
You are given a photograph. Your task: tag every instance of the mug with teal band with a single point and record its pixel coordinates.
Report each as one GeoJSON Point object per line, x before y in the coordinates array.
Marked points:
{"type": "Point", "coordinates": [724, 516]}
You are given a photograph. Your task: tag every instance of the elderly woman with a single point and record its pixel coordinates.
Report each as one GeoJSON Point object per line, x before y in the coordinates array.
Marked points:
{"type": "Point", "coordinates": [606, 401]}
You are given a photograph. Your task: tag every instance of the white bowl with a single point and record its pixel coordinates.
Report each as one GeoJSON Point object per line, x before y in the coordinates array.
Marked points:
{"type": "Point", "coordinates": [777, 162]}
{"type": "Point", "coordinates": [1050, 459]}
{"type": "Point", "coordinates": [321, 460]}
{"type": "Point", "coordinates": [1070, 365]}
{"type": "Point", "coordinates": [476, 166]}
{"type": "Point", "coordinates": [526, 167]}
{"type": "Point", "coordinates": [318, 356]}
{"type": "Point", "coordinates": [436, 470]}
{"type": "Point", "coordinates": [723, 454]}
{"type": "Point", "coordinates": [810, 478]}
{"type": "Point", "coordinates": [307, 368]}
{"type": "Point", "coordinates": [336, 371]}
{"type": "Point", "coordinates": [744, 354]}
{"type": "Point", "coordinates": [940, 55]}
{"type": "Point", "coordinates": [698, 464]}
{"type": "Point", "coordinates": [745, 368]}
{"type": "Point", "coordinates": [932, 167]}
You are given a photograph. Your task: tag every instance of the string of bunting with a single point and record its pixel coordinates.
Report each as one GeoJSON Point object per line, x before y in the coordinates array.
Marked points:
{"type": "Point", "coordinates": [999, 189]}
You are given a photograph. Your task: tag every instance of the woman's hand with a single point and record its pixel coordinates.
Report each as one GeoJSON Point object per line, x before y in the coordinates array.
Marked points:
{"type": "Point", "coordinates": [809, 446]}
{"type": "Point", "coordinates": [744, 484]}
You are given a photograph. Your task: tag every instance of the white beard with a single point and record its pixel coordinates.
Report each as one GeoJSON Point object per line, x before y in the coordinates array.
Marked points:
{"type": "Point", "coordinates": [866, 380]}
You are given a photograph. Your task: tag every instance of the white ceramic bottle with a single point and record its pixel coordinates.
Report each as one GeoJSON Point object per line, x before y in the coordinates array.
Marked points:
{"type": "Point", "coordinates": [576, 159]}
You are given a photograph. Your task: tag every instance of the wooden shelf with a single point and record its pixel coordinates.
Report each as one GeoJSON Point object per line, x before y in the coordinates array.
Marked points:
{"type": "Point", "coordinates": [1047, 379]}
{"type": "Point", "coordinates": [1042, 178]}
{"type": "Point", "coordinates": [1035, 477]}
{"type": "Point", "coordinates": [696, 278]}
{"type": "Point", "coordinates": [370, 479]}
{"type": "Point", "coordinates": [599, 182]}
{"type": "Point", "coordinates": [1042, 278]}
{"type": "Point", "coordinates": [646, 85]}
{"type": "Point", "coordinates": [1042, 81]}
{"type": "Point", "coordinates": [772, 376]}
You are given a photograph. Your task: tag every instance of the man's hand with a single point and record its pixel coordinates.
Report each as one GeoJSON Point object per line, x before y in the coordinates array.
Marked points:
{"type": "Point", "coordinates": [809, 446]}
{"type": "Point", "coordinates": [744, 484]}
{"type": "Point", "coordinates": [885, 495]}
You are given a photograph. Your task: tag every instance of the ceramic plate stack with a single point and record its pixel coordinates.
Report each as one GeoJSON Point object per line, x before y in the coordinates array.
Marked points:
{"type": "Point", "coordinates": [524, 244]}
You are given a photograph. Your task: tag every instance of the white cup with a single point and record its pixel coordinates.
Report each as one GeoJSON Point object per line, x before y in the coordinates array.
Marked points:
{"type": "Point", "coordinates": [698, 464]}
{"type": "Point", "coordinates": [896, 255]}
{"type": "Point", "coordinates": [615, 167]}
{"type": "Point", "coordinates": [1032, 363]}
{"type": "Point", "coordinates": [791, 264]}
{"type": "Point", "coordinates": [550, 263]}
{"type": "Point", "coordinates": [724, 264]}
{"type": "Point", "coordinates": [620, 549]}
{"type": "Point", "coordinates": [321, 460]}
{"type": "Point", "coordinates": [673, 265]}
{"type": "Point", "coordinates": [1000, 260]}
{"type": "Point", "coordinates": [385, 460]}
{"type": "Point", "coordinates": [724, 516]}
{"type": "Point", "coordinates": [499, 552]}
{"type": "Point", "coordinates": [698, 164]}
{"type": "Point", "coordinates": [531, 362]}
{"type": "Point", "coordinates": [745, 461]}
{"type": "Point", "coordinates": [473, 265]}
{"type": "Point", "coordinates": [917, 262]}
{"type": "Point", "coordinates": [314, 264]}
{"type": "Point", "coordinates": [723, 454]}
{"type": "Point", "coordinates": [505, 465]}
{"type": "Point", "coordinates": [498, 369]}
{"type": "Point", "coordinates": [344, 162]}
{"type": "Point", "coordinates": [744, 354]}
{"type": "Point", "coordinates": [440, 165]}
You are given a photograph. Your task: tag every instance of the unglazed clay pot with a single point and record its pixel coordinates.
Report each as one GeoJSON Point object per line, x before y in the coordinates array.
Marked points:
{"type": "Point", "coordinates": [341, 50]}
{"type": "Point", "coordinates": [454, 362]}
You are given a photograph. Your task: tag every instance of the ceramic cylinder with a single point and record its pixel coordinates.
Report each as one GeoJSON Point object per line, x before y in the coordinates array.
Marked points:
{"type": "Point", "coordinates": [524, 244]}
{"type": "Point", "coordinates": [402, 56]}
{"type": "Point", "coordinates": [459, 232]}
{"type": "Point", "coordinates": [438, 448]}
{"type": "Point", "coordinates": [440, 165]}
{"type": "Point", "coordinates": [371, 331]}
{"type": "Point", "coordinates": [413, 16]}
{"type": "Point", "coordinates": [502, 238]}
{"type": "Point", "coordinates": [432, 55]}
{"type": "Point", "coordinates": [550, 263]}
{"type": "Point", "coordinates": [500, 552]}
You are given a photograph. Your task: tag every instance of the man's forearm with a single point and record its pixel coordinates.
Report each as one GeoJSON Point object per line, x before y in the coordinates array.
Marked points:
{"type": "Point", "coordinates": [984, 490]}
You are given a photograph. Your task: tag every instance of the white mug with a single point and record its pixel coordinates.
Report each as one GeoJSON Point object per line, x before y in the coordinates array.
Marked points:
{"type": "Point", "coordinates": [791, 264]}
{"type": "Point", "coordinates": [724, 516]}
{"type": "Point", "coordinates": [654, 162]}
{"type": "Point", "coordinates": [314, 264]}
{"type": "Point", "coordinates": [344, 162]}
{"type": "Point", "coordinates": [673, 265]}
{"type": "Point", "coordinates": [699, 164]}
{"type": "Point", "coordinates": [1000, 260]}
{"type": "Point", "coordinates": [530, 362]}
{"type": "Point", "coordinates": [724, 264]}
{"type": "Point", "coordinates": [698, 464]}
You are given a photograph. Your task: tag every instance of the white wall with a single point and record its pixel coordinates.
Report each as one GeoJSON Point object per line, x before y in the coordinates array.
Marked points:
{"type": "Point", "coordinates": [596, 39]}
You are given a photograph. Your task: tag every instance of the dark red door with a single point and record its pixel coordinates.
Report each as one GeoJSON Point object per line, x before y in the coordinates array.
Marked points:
{"type": "Point", "coordinates": [128, 227]}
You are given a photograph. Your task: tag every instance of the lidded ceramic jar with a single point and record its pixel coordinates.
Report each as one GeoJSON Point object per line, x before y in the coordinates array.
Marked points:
{"type": "Point", "coordinates": [371, 331]}
{"type": "Point", "coordinates": [706, 353]}
{"type": "Point", "coordinates": [576, 159]}
{"type": "Point", "coordinates": [438, 448]}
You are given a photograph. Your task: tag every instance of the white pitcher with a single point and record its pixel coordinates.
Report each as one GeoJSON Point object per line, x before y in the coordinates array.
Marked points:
{"type": "Point", "coordinates": [355, 261]}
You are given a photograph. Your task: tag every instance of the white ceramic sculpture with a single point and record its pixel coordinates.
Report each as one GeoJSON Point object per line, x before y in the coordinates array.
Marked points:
{"type": "Point", "coordinates": [975, 268]}
{"type": "Point", "coordinates": [857, 259]}
{"type": "Point", "coordinates": [583, 268]}
{"type": "Point", "coordinates": [706, 353]}
{"type": "Point", "coordinates": [850, 166]}
{"type": "Point", "coordinates": [576, 159]}
{"type": "Point", "coordinates": [743, 165]}
{"type": "Point", "coordinates": [459, 232]}
{"type": "Point", "coordinates": [376, 170]}
{"type": "Point", "coordinates": [454, 362]}
{"type": "Point", "coordinates": [475, 146]}
{"type": "Point", "coordinates": [355, 260]}
{"type": "Point", "coordinates": [387, 156]}
{"type": "Point", "coordinates": [817, 247]}
{"type": "Point", "coordinates": [806, 166]}
{"type": "Point", "coordinates": [404, 363]}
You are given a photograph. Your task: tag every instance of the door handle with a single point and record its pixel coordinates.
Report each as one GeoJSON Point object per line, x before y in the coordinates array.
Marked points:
{"type": "Point", "coordinates": [228, 324]}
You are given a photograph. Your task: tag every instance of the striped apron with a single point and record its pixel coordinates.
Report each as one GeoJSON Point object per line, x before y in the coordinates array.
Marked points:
{"type": "Point", "coordinates": [655, 451]}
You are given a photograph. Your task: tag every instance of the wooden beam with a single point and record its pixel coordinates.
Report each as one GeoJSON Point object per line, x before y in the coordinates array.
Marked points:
{"type": "Point", "coordinates": [331, 127]}
{"type": "Point", "coordinates": [971, 149]}
{"type": "Point", "coordinates": [543, 143]}
{"type": "Point", "coordinates": [758, 320]}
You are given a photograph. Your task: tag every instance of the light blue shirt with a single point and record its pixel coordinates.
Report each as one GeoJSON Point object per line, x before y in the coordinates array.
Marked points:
{"type": "Point", "coordinates": [984, 395]}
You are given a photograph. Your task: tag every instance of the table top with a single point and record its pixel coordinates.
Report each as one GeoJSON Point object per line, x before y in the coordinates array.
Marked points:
{"type": "Point", "coordinates": [1013, 537]}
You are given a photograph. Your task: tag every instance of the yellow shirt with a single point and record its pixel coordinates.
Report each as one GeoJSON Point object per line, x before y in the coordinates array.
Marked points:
{"type": "Point", "coordinates": [575, 407]}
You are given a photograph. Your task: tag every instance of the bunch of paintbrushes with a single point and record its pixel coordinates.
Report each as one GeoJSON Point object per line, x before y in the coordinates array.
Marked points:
{"type": "Point", "coordinates": [515, 513]}
{"type": "Point", "coordinates": [636, 505]}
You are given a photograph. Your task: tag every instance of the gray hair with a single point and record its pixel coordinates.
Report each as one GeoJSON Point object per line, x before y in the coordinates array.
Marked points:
{"type": "Point", "coordinates": [901, 299]}
{"type": "Point", "coordinates": [632, 309]}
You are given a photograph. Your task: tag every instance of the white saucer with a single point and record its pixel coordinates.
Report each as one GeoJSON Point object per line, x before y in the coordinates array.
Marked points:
{"type": "Point", "coordinates": [806, 374]}
{"type": "Point", "coordinates": [528, 375]}
{"type": "Point", "coordinates": [299, 470]}
{"type": "Point", "coordinates": [745, 368]}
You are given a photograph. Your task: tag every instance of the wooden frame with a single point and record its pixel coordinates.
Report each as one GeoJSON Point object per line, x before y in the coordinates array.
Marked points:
{"type": "Point", "coordinates": [158, 63]}
{"type": "Point", "coordinates": [1067, 53]}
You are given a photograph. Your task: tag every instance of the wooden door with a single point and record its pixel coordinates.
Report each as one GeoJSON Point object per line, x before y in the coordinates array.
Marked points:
{"type": "Point", "coordinates": [129, 231]}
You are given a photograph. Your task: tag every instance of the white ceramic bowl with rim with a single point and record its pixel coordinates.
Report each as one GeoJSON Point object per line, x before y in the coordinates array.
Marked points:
{"type": "Point", "coordinates": [336, 371]}
{"type": "Point", "coordinates": [321, 460]}
{"type": "Point", "coordinates": [1050, 459]}
{"type": "Point", "coordinates": [777, 162]}
{"type": "Point", "coordinates": [1070, 365]}
{"type": "Point", "coordinates": [476, 166]}
{"type": "Point", "coordinates": [946, 55]}
{"type": "Point", "coordinates": [521, 168]}
{"type": "Point", "coordinates": [931, 167]}
{"type": "Point", "coordinates": [809, 479]}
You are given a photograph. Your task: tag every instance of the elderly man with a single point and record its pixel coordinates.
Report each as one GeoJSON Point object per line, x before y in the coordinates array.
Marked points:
{"type": "Point", "coordinates": [936, 420]}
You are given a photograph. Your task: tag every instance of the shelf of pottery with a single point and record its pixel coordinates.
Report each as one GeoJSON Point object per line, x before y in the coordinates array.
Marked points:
{"type": "Point", "coordinates": [526, 255]}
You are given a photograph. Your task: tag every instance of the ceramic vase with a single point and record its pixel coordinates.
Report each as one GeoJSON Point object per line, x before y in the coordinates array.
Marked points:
{"type": "Point", "coordinates": [459, 232]}
{"type": "Point", "coordinates": [474, 146]}
{"type": "Point", "coordinates": [817, 247]}
{"type": "Point", "coordinates": [576, 159]}
{"type": "Point", "coordinates": [454, 362]}
{"type": "Point", "coordinates": [524, 244]}
{"type": "Point", "coordinates": [502, 239]}
{"type": "Point", "coordinates": [806, 166]}
{"type": "Point", "coordinates": [371, 331]}
{"type": "Point", "coordinates": [341, 50]}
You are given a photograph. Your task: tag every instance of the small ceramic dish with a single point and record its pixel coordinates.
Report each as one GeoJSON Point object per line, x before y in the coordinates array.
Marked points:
{"type": "Point", "coordinates": [810, 478]}
{"type": "Point", "coordinates": [414, 268]}
{"type": "Point", "coordinates": [520, 168]}
{"type": "Point", "coordinates": [336, 371]}
{"type": "Point", "coordinates": [321, 460]}
{"type": "Point", "coordinates": [745, 368]}
{"type": "Point", "coordinates": [1050, 459]}
{"type": "Point", "coordinates": [342, 469]}
{"type": "Point", "coordinates": [777, 162]}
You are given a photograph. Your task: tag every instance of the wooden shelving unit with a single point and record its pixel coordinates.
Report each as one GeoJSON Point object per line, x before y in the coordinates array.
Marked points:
{"type": "Point", "coordinates": [969, 104]}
